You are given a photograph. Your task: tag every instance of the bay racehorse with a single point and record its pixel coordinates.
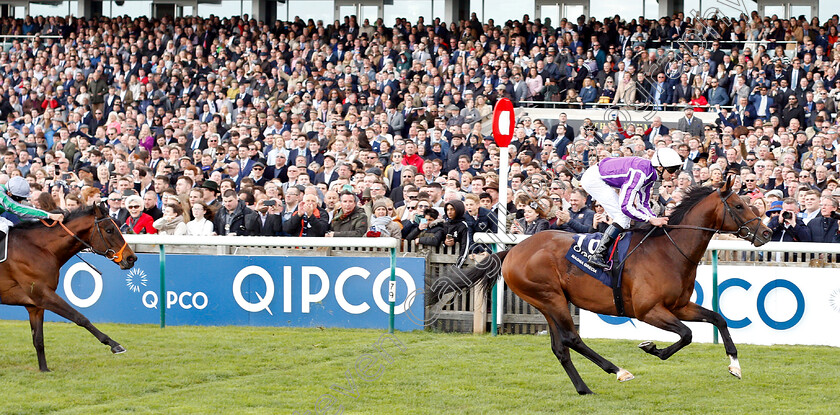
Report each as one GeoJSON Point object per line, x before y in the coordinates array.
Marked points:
{"type": "Point", "coordinates": [657, 282]}
{"type": "Point", "coordinates": [36, 252]}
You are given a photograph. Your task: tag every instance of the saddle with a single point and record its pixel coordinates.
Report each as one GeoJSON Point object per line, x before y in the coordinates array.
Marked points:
{"type": "Point", "coordinates": [583, 248]}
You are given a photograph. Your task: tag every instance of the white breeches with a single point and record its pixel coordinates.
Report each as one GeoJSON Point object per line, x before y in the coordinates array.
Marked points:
{"type": "Point", "coordinates": [5, 224]}
{"type": "Point", "coordinates": [605, 194]}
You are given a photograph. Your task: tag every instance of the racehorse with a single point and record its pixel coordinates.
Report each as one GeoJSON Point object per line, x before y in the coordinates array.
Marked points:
{"type": "Point", "coordinates": [657, 281]}
{"type": "Point", "coordinates": [36, 252]}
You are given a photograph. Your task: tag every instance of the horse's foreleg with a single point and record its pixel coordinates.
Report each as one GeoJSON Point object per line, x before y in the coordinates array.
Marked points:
{"type": "Point", "coordinates": [662, 318]}
{"type": "Point", "coordinates": [57, 305]}
{"type": "Point", "coordinates": [694, 312]}
{"type": "Point", "coordinates": [36, 322]}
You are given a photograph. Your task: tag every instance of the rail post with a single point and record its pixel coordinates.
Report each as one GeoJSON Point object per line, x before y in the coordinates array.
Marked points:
{"type": "Point", "coordinates": [715, 304]}
{"type": "Point", "coordinates": [392, 290]}
{"type": "Point", "coordinates": [162, 301]}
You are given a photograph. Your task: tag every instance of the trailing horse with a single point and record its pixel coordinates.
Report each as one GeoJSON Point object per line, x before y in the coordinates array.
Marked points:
{"type": "Point", "coordinates": [37, 251]}
{"type": "Point", "coordinates": [656, 286]}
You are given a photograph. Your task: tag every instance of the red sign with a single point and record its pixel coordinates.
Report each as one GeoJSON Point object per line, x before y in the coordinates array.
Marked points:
{"type": "Point", "coordinates": [503, 122]}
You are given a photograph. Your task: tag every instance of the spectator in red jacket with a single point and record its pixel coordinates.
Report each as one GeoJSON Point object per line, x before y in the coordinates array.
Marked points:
{"type": "Point", "coordinates": [137, 222]}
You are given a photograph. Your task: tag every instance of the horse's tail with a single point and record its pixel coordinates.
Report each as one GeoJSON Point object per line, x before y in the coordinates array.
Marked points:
{"type": "Point", "coordinates": [455, 280]}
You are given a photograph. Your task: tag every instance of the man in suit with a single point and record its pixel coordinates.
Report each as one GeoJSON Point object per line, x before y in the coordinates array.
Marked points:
{"type": "Point", "coordinates": [659, 92]}
{"type": "Point", "coordinates": [116, 209]}
{"type": "Point", "coordinates": [656, 129]}
{"type": "Point", "coordinates": [762, 102]}
{"type": "Point", "coordinates": [690, 124]}
{"type": "Point", "coordinates": [717, 93]}
{"type": "Point", "coordinates": [244, 161]}
{"type": "Point", "coordinates": [796, 73]}
{"type": "Point", "coordinates": [263, 223]}
{"type": "Point", "coordinates": [744, 112]}
{"type": "Point", "coordinates": [278, 170]}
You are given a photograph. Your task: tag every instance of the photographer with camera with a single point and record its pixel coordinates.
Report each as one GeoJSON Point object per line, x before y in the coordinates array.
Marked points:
{"type": "Point", "coordinates": [786, 226]}
{"type": "Point", "coordinates": [824, 228]}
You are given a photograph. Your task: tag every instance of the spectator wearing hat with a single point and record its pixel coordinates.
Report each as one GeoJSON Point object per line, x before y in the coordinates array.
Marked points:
{"type": "Point", "coordinates": [690, 124]}
{"type": "Point", "coordinates": [258, 174]}
{"type": "Point", "coordinates": [381, 222]}
{"type": "Point", "coordinates": [210, 192]}
{"type": "Point", "coordinates": [786, 226]}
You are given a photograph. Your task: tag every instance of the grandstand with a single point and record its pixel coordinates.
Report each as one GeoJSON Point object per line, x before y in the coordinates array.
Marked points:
{"type": "Point", "coordinates": [368, 118]}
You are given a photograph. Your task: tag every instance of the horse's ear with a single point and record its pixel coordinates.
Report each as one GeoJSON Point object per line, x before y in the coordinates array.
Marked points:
{"type": "Point", "coordinates": [727, 184]}
{"type": "Point", "coordinates": [97, 211]}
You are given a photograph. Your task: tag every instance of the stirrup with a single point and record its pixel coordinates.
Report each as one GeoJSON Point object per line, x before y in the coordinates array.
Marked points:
{"type": "Point", "coordinates": [597, 261]}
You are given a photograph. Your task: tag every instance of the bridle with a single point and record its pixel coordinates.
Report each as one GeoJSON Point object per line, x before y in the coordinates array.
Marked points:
{"type": "Point", "coordinates": [743, 230]}
{"type": "Point", "coordinates": [113, 255]}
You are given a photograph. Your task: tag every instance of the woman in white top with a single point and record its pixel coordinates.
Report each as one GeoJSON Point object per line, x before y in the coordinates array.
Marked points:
{"type": "Point", "coordinates": [202, 225]}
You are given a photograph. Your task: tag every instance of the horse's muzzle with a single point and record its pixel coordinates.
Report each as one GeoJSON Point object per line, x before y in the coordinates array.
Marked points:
{"type": "Point", "coordinates": [128, 261]}
{"type": "Point", "coordinates": [763, 235]}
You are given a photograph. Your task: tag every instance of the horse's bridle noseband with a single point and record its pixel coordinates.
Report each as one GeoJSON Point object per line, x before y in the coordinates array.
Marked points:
{"type": "Point", "coordinates": [743, 226]}
{"type": "Point", "coordinates": [116, 256]}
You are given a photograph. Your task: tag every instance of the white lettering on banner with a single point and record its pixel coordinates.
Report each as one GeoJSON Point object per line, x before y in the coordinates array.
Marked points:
{"type": "Point", "coordinates": [308, 297]}
{"type": "Point", "coordinates": [186, 300]}
{"type": "Point", "coordinates": [150, 295]}
{"type": "Point", "coordinates": [377, 290]}
{"type": "Point", "coordinates": [287, 289]}
{"type": "Point", "coordinates": [339, 290]}
{"type": "Point", "coordinates": [762, 305]}
{"type": "Point", "coordinates": [269, 289]}
{"type": "Point", "coordinates": [68, 285]}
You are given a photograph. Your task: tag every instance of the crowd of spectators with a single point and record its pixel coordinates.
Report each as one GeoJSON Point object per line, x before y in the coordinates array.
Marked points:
{"type": "Point", "coordinates": [231, 126]}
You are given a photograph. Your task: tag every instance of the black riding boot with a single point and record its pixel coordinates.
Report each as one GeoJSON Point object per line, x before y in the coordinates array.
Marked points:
{"type": "Point", "coordinates": [597, 259]}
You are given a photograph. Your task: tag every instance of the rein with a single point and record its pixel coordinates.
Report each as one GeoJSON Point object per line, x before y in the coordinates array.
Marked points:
{"type": "Point", "coordinates": [116, 256]}
{"type": "Point", "coordinates": [742, 226]}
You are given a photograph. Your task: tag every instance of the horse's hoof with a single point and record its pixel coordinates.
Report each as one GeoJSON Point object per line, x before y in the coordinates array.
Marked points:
{"type": "Point", "coordinates": [623, 375]}
{"type": "Point", "coordinates": [735, 371]}
{"type": "Point", "coordinates": [117, 349]}
{"type": "Point", "coordinates": [647, 346]}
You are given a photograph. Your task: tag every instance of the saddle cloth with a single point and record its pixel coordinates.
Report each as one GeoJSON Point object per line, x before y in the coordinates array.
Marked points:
{"type": "Point", "coordinates": [584, 247]}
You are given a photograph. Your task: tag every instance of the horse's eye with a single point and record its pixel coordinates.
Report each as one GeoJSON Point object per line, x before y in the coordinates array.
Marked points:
{"type": "Point", "coordinates": [109, 230]}
{"type": "Point", "coordinates": [739, 207]}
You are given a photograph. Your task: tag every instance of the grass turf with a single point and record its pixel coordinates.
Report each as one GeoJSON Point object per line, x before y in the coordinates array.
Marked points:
{"type": "Point", "coordinates": [242, 370]}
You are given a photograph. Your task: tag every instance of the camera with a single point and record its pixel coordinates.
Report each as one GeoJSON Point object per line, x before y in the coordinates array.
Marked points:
{"type": "Point", "coordinates": [787, 215]}
{"type": "Point", "coordinates": [835, 215]}
{"type": "Point", "coordinates": [269, 203]}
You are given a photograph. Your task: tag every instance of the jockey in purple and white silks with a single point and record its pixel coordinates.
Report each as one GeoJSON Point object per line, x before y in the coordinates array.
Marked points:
{"type": "Point", "coordinates": [634, 177]}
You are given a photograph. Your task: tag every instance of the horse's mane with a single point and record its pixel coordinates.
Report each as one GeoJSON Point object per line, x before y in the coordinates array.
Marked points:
{"type": "Point", "coordinates": [691, 198]}
{"type": "Point", "coordinates": [68, 216]}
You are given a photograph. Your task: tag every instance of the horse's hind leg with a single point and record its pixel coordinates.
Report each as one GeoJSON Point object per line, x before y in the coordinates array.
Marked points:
{"type": "Point", "coordinates": [36, 322]}
{"type": "Point", "coordinates": [662, 318]}
{"type": "Point", "coordinates": [694, 312]}
{"type": "Point", "coordinates": [558, 338]}
{"type": "Point", "coordinates": [57, 305]}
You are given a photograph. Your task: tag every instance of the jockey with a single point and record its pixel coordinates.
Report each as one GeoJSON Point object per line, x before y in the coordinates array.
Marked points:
{"type": "Point", "coordinates": [12, 194]}
{"type": "Point", "coordinates": [634, 177]}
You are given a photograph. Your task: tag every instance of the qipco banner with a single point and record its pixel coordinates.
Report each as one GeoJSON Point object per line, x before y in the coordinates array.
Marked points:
{"type": "Point", "coordinates": [761, 305]}
{"type": "Point", "coordinates": [244, 290]}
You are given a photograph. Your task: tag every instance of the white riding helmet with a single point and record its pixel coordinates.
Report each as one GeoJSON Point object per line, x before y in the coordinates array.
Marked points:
{"type": "Point", "coordinates": [666, 157]}
{"type": "Point", "coordinates": [18, 186]}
